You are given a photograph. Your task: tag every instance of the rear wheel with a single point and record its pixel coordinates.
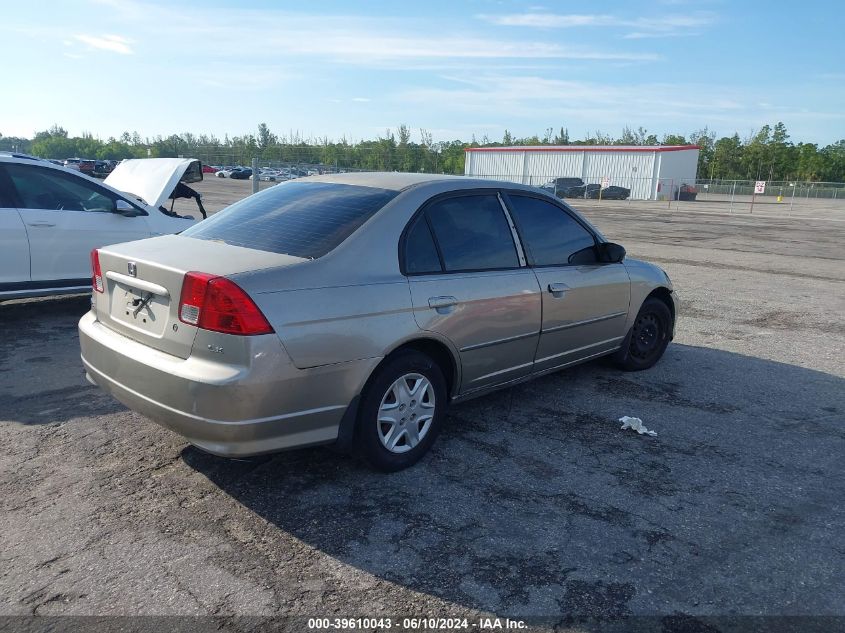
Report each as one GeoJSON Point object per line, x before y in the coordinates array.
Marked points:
{"type": "Point", "coordinates": [649, 336]}
{"type": "Point", "coordinates": [402, 411]}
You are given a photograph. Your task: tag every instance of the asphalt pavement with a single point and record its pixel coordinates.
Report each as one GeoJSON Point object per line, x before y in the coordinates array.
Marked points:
{"type": "Point", "coordinates": [533, 503]}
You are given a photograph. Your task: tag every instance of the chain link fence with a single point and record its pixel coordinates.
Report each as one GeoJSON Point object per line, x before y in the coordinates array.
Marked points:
{"type": "Point", "coordinates": [741, 196]}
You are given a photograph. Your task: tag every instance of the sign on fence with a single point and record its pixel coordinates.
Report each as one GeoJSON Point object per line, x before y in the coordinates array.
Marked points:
{"type": "Point", "coordinates": [760, 186]}
{"type": "Point", "coordinates": [605, 182]}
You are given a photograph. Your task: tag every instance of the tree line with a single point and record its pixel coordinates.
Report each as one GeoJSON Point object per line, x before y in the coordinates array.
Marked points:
{"type": "Point", "coordinates": [767, 154]}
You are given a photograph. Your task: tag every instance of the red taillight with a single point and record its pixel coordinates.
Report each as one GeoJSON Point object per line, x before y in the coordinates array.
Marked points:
{"type": "Point", "coordinates": [218, 304]}
{"type": "Point", "coordinates": [97, 274]}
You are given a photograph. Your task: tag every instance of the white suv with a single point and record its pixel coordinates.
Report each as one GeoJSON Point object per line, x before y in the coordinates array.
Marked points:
{"type": "Point", "coordinates": [51, 218]}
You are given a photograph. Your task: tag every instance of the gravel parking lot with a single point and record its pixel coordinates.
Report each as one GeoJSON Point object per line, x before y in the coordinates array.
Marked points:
{"type": "Point", "coordinates": [533, 503]}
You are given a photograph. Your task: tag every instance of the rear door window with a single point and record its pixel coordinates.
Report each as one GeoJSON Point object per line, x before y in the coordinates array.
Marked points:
{"type": "Point", "coordinates": [473, 233]}
{"type": "Point", "coordinates": [301, 219]}
{"type": "Point", "coordinates": [420, 251]}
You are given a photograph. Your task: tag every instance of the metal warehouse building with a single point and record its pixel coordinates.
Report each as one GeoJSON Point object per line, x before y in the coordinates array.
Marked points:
{"type": "Point", "coordinates": [650, 172]}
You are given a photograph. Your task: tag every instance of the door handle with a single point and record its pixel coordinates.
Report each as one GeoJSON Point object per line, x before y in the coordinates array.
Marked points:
{"type": "Point", "coordinates": [44, 224]}
{"type": "Point", "coordinates": [558, 289]}
{"type": "Point", "coordinates": [443, 304]}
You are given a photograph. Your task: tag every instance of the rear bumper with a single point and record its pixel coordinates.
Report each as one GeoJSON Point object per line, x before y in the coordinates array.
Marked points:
{"type": "Point", "coordinates": [231, 410]}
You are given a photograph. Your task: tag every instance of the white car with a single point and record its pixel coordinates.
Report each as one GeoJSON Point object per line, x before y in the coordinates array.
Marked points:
{"type": "Point", "coordinates": [267, 175]}
{"type": "Point", "coordinates": [51, 218]}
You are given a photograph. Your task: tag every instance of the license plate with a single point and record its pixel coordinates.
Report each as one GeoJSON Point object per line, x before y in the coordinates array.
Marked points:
{"type": "Point", "coordinates": [139, 309]}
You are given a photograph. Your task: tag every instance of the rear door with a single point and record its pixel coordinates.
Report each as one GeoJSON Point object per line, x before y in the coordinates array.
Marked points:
{"type": "Point", "coordinates": [14, 246]}
{"type": "Point", "coordinates": [469, 283]}
{"type": "Point", "coordinates": [66, 217]}
{"type": "Point", "coordinates": [585, 301]}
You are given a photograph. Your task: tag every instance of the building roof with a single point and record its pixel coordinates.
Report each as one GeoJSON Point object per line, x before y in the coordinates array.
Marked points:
{"type": "Point", "coordinates": [585, 148]}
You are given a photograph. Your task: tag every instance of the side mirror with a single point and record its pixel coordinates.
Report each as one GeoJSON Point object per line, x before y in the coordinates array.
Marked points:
{"type": "Point", "coordinates": [121, 207]}
{"type": "Point", "coordinates": [611, 253]}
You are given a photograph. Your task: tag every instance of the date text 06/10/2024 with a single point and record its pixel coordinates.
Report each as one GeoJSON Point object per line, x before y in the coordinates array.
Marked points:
{"type": "Point", "coordinates": [415, 624]}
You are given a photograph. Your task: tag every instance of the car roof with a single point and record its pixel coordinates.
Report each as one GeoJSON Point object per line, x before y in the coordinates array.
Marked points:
{"type": "Point", "coordinates": [16, 157]}
{"type": "Point", "coordinates": [398, 181]}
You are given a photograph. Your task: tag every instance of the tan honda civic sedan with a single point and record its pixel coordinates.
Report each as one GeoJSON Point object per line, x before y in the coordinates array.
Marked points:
{"type": "Point", "coordinates": [354, 308]}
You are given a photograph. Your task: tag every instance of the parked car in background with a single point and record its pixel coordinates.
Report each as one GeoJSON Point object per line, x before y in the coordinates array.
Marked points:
{"type": "Point", "coordinates": [209, 169]}
{"type": "Point", "coordinates": [267, 175]}
{"type": "Point", "coordinates": [582, 191]}
{"type": "Point", "coordinates": [103, 168]}
{"type": "Point", "coordinates": [609, 193]}
{"type": "Point", "coordinates": [240, 173]}
{"type": "Point", "coordinates": [87, 167]}
{"type": "Point", "coordinates": [353, 308]}
{"type": "Point", "coordinates": [52, 217]}
{"type": "Point", "coordinates": [227, 172]}
{"type": "Point", "coordinates": [560, 186]}
{"type": "Point", "coordinates": [686, 192]}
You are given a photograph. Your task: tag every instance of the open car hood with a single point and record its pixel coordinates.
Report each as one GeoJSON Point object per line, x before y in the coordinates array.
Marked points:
{"type": "Point", "coordinates": [153, 179]}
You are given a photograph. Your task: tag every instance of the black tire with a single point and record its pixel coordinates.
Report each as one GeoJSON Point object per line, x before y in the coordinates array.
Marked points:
{"type": "Point", "coordinates": [648, 338]}
{"type": "Point", "coordinates": [368, 436]}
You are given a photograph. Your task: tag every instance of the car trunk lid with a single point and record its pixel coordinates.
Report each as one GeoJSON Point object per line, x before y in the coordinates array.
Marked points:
{"type": "Point", "coordinates": [142, 285]}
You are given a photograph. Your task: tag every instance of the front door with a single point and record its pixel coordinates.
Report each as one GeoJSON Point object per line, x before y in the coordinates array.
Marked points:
{"type": "Point", "coordinates": [469, 283]}
{"type": "Point", "coordinates": [67, 216]}
{"type": "Point", "coordinates": [585, 301]}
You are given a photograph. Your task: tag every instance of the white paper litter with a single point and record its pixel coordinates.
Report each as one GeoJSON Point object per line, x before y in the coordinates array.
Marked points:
{"type": "Point", "coordinates": [635, 424]}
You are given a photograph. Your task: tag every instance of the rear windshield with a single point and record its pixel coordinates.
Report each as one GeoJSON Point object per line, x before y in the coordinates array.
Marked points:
{"type": "Point", "coordinates": [303, 219]}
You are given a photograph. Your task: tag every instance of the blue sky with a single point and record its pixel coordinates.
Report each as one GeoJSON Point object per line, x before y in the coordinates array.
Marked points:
{"type": "Point", "coordinates": [332, 68]}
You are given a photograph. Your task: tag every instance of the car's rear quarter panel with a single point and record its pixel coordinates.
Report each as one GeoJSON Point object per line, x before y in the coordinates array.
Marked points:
{"type": "Point", "coordinates": [320, 326]}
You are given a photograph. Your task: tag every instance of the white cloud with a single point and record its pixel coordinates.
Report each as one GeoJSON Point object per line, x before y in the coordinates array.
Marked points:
{"type": "Point", "coordinates": [651, 26]}
{"type": "Point", "coordinates": [367, 47]}
{"type": "Point", "coordinates": [113, 43]}
{"type": "Point", "coordinates": [548, 20]}
{"type": "Point", "coordinates": [640, 35]}
{"type": "Point", "coordinates": [348, 39]}
{"type": "Point", "coordinates": [550, 99]}
{"type": "Point", "coordinates": [361, 99]}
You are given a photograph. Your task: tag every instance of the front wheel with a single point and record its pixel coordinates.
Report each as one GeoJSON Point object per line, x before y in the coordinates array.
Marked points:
{"type": "Point", "coordinates": [402, 411]}
{"type": "Point", "coordinates": [648, 338]}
